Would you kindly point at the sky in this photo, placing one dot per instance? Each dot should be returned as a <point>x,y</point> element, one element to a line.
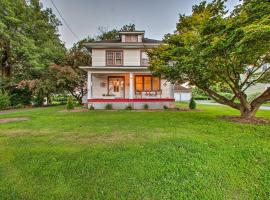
<point>156,17</point>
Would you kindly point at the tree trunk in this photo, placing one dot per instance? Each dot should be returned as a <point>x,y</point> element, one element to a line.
<point>248,113</point>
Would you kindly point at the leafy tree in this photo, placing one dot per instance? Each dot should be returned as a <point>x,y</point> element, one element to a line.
<point>28,39</point>
<point>29,43</point>
<point>211,48</point>
<point>128,27</point>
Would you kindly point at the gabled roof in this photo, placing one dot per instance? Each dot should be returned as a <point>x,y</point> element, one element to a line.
<point>181,88</point>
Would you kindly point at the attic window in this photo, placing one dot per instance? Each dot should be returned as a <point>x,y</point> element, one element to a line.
<point>131,38</point>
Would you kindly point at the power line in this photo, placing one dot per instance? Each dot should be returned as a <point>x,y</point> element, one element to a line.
<point>70,29</point>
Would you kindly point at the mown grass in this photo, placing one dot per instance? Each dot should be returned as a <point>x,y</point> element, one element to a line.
<point>133,155</point>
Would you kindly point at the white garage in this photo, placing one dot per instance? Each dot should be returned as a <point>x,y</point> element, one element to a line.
<point>182,93</point>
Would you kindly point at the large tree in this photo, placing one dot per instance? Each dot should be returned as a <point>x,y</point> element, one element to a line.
<point>211,47</point>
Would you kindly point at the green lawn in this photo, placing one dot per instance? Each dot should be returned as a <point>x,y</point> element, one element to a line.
<point>133,155</point>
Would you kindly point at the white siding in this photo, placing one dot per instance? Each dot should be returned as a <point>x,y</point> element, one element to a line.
<point>140,38</point>
<point>98,57</point>
<point>166,88</point>
<point>132,57</point>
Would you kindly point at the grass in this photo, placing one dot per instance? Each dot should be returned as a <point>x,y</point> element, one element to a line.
<point>133,155</point>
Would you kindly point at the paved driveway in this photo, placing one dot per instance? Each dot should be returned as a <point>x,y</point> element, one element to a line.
<point>217,104</point>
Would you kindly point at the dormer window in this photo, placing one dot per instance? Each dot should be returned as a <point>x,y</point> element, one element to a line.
<point>131,38</point>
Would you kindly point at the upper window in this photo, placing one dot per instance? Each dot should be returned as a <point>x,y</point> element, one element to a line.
<point>114,57</point>
<point>144,59</point>
<point>131,38</point>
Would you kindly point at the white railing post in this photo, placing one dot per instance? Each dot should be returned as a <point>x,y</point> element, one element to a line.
<point>131,87</point>
<point>89,85</point>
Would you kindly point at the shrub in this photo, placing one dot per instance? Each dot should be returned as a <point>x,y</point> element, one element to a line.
<point>20,96</point>
<point>91,107</point>
<point>18,106</point>
<point>109,107</point>
<point>165,107</point>
<point>192,104</point>
<point>129,107</point>
<point>4,101</point>
<point>70,103</point>
<point>146,106</point>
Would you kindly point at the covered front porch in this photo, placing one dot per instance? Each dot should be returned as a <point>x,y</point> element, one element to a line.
<point>127,88</point>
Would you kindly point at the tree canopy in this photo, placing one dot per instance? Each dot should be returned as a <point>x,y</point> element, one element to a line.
<point>212,47</point>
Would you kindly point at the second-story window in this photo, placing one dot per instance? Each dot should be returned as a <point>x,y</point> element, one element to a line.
<point>131,38</point>
<point>144,59</point>
<point>114,57</point>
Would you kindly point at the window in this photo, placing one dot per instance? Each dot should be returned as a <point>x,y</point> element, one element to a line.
<point>144,59</point>
<point>147,83</point>
<point>114,58</point>
<point>131,38</point>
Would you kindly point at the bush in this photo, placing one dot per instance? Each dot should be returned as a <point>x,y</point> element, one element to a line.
<point>129,107</point>
<point>92,107</point>
<point>59,99</point>
<point>20,96</point>
<point>70,103</point>
<point>146,106</point>
<point>18,106</point>
<point>4,101</point>
<point>165,107</point>
<point>109,107</point>
<point>192,104</point>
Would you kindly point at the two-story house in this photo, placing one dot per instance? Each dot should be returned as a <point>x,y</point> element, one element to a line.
<point>119,74</point>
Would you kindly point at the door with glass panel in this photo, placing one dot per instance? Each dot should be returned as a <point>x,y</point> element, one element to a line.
<point>116,86</point>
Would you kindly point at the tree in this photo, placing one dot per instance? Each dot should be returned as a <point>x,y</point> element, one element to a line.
<point>211,48</point>
<point>28,39</point>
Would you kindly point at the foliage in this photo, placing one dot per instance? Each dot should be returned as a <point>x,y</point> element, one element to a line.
<point>29,39</point>
<point>59,99</point>
<point>4,100</point>
<point>92,107</point>
<point>165,107</point>
<point>145,106</point>
<point>211,48</point>
<point>129,107</point>
<point>192,104</point>
<point>108,106</point>
<point>70,103</point>
<point>20,96</point>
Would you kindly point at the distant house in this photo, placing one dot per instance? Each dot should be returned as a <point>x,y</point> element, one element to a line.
<point>181,93</point>
<point>258,88</point>
<point>119,74</point>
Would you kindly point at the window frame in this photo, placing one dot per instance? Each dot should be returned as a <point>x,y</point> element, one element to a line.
<point>143,90</point>
<point>114,57</point>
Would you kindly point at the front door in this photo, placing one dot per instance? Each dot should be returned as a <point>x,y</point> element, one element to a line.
<point>116,86</point>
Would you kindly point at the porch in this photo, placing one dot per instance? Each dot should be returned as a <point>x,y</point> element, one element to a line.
<point>128,89</point>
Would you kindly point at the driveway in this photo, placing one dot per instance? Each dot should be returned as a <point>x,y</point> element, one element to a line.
<point>217,104</point>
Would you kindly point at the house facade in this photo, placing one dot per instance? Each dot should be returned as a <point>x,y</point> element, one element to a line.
<point>119,74</point>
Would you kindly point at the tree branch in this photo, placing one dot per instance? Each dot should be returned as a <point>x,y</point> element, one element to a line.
<point>264,97</point>
<point>220,99</point>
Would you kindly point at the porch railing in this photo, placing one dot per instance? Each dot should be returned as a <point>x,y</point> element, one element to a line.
<point>149,93</point>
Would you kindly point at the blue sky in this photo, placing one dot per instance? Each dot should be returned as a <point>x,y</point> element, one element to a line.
<point>156,17</point>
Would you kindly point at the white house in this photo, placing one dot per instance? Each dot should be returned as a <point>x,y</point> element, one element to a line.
<point>119,74</point>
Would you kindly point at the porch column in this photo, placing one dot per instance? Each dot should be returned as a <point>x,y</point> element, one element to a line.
<point>131,87</point>
<point>89,85</point>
